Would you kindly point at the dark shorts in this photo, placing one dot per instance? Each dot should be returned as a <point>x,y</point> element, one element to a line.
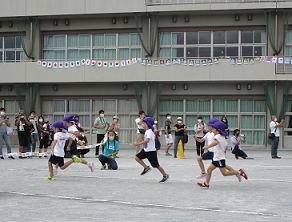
<point>23,139</point>
<point>57,160</point>
<point>219,163</point>
<point>208,156</point>
<point>151,156</point>
<point>73,148</point>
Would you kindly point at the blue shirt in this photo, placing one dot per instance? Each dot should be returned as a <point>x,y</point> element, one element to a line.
<point>234,139</point>
<point>110,148</point>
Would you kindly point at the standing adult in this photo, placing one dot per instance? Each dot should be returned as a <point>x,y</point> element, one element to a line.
<point>102,125</point>
<point>4,122</point>
<point>168,136</point>
<point>140,130</point>
<point>274,126</point>
<point>180,129</point>
<point>224,120</point>
<point>200,130</point>
<point>34,133</point>
<point>23,128</point>
<point>116,127</point>
<point>43,133</point>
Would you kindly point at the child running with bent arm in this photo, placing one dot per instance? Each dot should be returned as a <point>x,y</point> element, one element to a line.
<point>220,146</point>
<point>57,156</point>
<point>149,151</point>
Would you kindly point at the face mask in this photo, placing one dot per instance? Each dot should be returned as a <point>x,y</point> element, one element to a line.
<point>101,115</point>
<point>169,117</point>
<point>199,120</point>
<point>115,120</point>
<point>111,138</point>
<point>275,119</point>
<point>179,121</point>
<point>2,113</point>
<point>155,122</point>
<point>32,115</point>
<point>41,120</point>
<point>224,121</point>
<point>21,117</point>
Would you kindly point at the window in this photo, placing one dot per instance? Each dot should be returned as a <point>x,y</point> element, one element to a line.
<point>92,46</point>
<point>11,49</point>
<point>253,43</point>
<point>288,120</point>
<point>288,44</point>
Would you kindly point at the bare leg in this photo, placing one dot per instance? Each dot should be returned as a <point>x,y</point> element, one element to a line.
<point>168,146</point>
<point>51,168</point>
<point>229,168</point>
<point>45,150</point>
<point>228,173</point>
<point>209,173</point>
<point>40,150</point>
<point>66,164</point>
<point>161,170</point>
<point>141,162</point>
<point>201,165</point>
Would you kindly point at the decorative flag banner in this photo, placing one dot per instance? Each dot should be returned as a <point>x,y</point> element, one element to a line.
<point>39,62</point>
<point>291,61</point>
<point>191,62</point>
<point>168,62</point>
<point>173,61</point>
<point>83,62</point>
<point>77,63</point>
<point>232,61</point>
<point>66,65</point>
<point>99,64</point>
<point>210,62</point>
<point>50,64</point>
<point>144,62</point>
<point>251,61</point>
<point>117,64</point>
<point>178,61</point>
<point>268,59</point>
<point>134,61</point>
<point>128,62</point>
<point>287,61</point>
<point>149,63</point>
<point>60,65</point>
<point>216,60</point>
<point>245,61</point>
<point>258,59</point>
<point>161,62</point>
<point>139,60</point>
<point>156,63</point>
<point>87,62</point>
<point>104,64</point>
<point>239,61</point>
<point>72,64</point>
<point>204,62</point>
<point>93,62</point>
<point>262,58</point>
<point>197,62</point>
<point>123,63</point>
<point>55,65</point>
<point>111,64</point>
<point>44,64</point>
<point>274,60</point>
<point>280,60</point>
<point>184,62</point>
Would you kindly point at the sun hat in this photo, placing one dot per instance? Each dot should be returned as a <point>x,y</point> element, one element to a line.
<point>220,126</point>
<point>149,122</point>
<point>70,118</point>
<point>212,121</point>
<point>60,125</point>
<point>179,118</point>
<point>115,117</point>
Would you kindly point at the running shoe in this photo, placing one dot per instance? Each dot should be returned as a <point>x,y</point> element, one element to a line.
<point>167,153</point>
<point>243,174</point>
<point>203,185</point>
<point>201,176</point>
<point>76,159</point>
<point>2,157</point>
<point>146,170</point>
<point>49,178</point>
<point>11,157</point>
<point>103,167</point>
<point>238,177</point>
<point>164,179</point>
<point>96,155</point>
<point>91,166</point>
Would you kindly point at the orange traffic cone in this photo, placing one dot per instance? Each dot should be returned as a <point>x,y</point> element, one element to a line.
<point>181,154</point>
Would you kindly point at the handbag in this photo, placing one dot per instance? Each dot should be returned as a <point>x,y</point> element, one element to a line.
<point>272,135</point>
<point>185,138</point>
<point>9,130</point>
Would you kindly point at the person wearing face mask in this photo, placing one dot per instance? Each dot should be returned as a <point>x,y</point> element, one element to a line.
<point>168,136</point>
<point>180,129</point>
<point>157,133</point>
<point>23,129</point>
<point>111,149</point>
<point>140,130</point>
<point>4,122</point>
<point>274,126</point>
<point>235,144</point>
<point>43,133</point>
<point>200,130</point>
<point>34,132</point>
<point>115,126</point>
<point>102,125</point>
<point>224,120</point>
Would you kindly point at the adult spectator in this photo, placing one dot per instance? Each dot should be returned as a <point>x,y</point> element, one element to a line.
<point>33,132</point>
<point>116,127</point>
<point>140,130</point>
<point>235,144</point>
<point>168,136</point>
<point>224,120</point>
<point>102,125</point>
<point>180,129</point>
<point>4,122</point>
<point>157,133</point>
<point>82,141</point>
<point>77,123</point>
<point>274,126</point>
<point>200,130</point>
<point>23,129</point>
<point>43,132</point>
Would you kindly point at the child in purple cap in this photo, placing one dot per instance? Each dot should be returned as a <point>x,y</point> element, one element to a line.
<point>220,146</point>
<point>149,152</point>
<point>57,156</point>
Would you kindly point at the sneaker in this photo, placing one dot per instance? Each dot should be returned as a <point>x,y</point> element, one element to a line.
<point>117,156</point>
<point>167,153</point>
<point>76,159</point>
<point>40,157</point>
<point>2,157</point>
<point>103,167</point>
<point>146,170</point>
<point>164,179</point>
<point>238,177</point>
<point>201,176</point>
<point>175,156</point>
<point>243,174</point>
<point>49,178</point>
<point>276,157</point>
<point>203,185</point>
<point>91,166</point>
<point>11,157</point>
<point>109,166</point>
<point>96,155</point>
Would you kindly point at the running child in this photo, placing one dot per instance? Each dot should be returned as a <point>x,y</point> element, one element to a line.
<point>220,146</point>
<point>149,152</point>
<point>57,156</point>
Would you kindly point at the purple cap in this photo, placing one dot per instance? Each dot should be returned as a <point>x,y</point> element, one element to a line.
<point>70,118</point>
<point>220,126</point>
<point>212,121</point>
<point>60,125</point>
<point>149,122</point>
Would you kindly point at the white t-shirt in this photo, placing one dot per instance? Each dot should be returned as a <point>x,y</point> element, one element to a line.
<point>138,126</point>
<point>72,129</point>
<point>219,150</point>
<point>210,139</point>
<point>150,146</point>
<point>272,126</point>
<point>61,140</point>
<point>234,139</point>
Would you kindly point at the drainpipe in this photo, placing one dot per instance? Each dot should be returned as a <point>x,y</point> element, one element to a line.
<point>276,29</point>
<point>275,99</point>
<point>148,97</point>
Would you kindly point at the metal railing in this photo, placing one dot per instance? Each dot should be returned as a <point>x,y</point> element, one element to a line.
<point>284,68</point>
<point>179,2</point>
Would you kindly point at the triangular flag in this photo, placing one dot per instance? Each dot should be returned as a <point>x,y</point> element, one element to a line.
<point>60,65</point>
<point>134,61</point>
<point>111,64</point>
<point>88,62</point>
<point>44,64</point>
<point>117,64</point>
<point>104,64</point>
<point>66,65</point>
<point>274,60</point>
<point>71,64</point>
<point>123,63</point>
<point>49,65</point>
<point>78,63</point>
<point>55,65</point>
<point>99,64</point>
<point>93,62</point>
<point>128,62</point>
<point>39,62</point>
<point>83,62</point>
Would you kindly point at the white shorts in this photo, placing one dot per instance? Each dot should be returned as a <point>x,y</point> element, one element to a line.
<point>169,139</point>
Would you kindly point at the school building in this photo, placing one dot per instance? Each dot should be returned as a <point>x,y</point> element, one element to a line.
<point>56,32</point>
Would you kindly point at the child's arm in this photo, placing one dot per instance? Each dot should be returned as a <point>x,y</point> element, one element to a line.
<point>69,144</point>
<point>53,146</point>
<point>198,139</point>
<point>76,133</point>
<point>226,149</point>
<point>141,143</point>
<point>211,145</point>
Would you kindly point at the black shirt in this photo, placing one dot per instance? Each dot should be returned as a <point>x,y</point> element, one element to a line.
<point>180,133</point>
